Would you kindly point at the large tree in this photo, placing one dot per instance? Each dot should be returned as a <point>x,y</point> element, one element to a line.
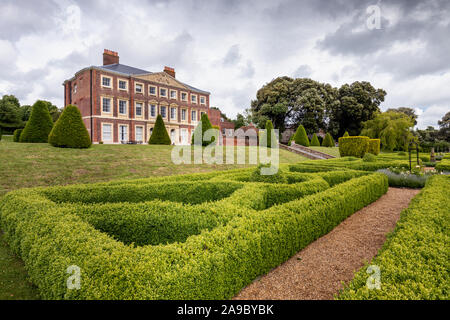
<point>287,101</point>
<point>408,111</point>
<point>392,128</point>
<point>10,113</point>
<point>358,102</point>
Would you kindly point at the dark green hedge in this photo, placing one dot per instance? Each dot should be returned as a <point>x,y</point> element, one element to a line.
<point>221,247</point>
<point>159,133</point>
<point>300,137</point>
<point>16,136</point>
<point>69,130</point>
<point>414,261</point>
<point>39,125</point>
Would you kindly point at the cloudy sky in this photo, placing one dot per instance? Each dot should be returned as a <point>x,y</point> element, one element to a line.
<point>231,48</point>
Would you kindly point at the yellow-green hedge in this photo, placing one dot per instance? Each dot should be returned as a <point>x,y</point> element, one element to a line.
<point>353,146</point>
<point>374,146</point>
<point>141,246</point>
<point>414,261</point>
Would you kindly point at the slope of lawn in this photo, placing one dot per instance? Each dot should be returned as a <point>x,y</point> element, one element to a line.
<point>29,165</point>
<point>333,151</point>
<point>33,164</point>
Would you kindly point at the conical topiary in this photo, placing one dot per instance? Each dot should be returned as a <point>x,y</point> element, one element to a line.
<point>266,135</point>
<point>328,141</point>
<point>39,125</point>
<point>300,137</point>
<point>346,134</point>
<point>159,133</point>
<point>69,130</point>
<point>315,141</point>
<point>205,125</point>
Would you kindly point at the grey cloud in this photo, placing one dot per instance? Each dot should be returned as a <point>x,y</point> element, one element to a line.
<point>24,17</point>
<point>232,57</point>
<point>303,71</point>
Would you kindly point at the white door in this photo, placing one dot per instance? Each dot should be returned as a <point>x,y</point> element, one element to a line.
<point>123,133</point>
<point>184,135</point>
<point>172,135</point>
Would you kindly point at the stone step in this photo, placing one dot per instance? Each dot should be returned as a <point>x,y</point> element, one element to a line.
<point>306,152</point>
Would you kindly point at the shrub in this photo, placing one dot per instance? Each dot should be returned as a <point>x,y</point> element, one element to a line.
<point>353,146</point>
<point>443,165</point>
<point>159,134</point>
<point>369,157</point>
<point>315,141</point>
<point>0,134</point>
<point>374,146</point>
<point>346,134</point>
<point>414,258</point>
<point>328,141</point>
<point>278,177</point>
<point>209,250</point>
<point>198,138</point>
<point>405,179</point>
<point>300,137</point>
<point>69,130</point>
<point>39,124</point>
<point>16,136</point>
<point>266,135</point>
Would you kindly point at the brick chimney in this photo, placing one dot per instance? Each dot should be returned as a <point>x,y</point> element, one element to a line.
<point>170,71</point>
<point>110,57</point>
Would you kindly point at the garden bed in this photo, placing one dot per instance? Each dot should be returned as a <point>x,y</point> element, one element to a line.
<point>139,241</point>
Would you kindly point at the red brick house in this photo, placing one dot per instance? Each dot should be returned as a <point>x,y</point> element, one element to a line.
<point>120,103</point>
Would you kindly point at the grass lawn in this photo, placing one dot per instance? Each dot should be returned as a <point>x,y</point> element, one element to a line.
<point>334,151</point>
<point>29,165</point>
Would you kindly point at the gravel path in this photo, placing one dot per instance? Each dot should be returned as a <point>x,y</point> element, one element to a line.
<point>316,272</point>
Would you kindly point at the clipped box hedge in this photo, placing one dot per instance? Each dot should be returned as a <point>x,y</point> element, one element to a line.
<point>443,165</point>
<point>353,146</point>
<point>374,146</point>
<point>184,237</point>
<point>414,261</point>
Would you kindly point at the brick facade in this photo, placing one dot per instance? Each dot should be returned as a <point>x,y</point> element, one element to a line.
<point>87,91</point>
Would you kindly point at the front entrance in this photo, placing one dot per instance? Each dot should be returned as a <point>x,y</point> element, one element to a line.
<point>123,133</point>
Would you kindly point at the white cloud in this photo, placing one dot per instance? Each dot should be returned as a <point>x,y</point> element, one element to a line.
<point>230,48</point>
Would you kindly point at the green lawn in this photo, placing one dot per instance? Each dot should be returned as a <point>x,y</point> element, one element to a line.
<point>28,165</point>
<point>334,151</point>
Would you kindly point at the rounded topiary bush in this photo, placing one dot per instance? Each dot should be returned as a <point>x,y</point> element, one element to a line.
<point>353,146</point>
<point>374,146</point>
<point>198,138</point>
<point>159,134</point>
<point>69,130</point>
<point>16,136</point>
<point>315,141</point>
<point>369,157</point>
<point>278,177</point>
<point>39,125</point>
<point>328,141</point>
<point>300,137</point>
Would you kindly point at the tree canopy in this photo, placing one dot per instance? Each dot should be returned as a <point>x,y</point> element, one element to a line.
<point>392,128</point>
<point>302,101</point>
<point>10,113</point>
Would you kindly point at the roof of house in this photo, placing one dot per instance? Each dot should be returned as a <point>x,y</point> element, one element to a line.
<point>124,69</point>
<point>131,71</point>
